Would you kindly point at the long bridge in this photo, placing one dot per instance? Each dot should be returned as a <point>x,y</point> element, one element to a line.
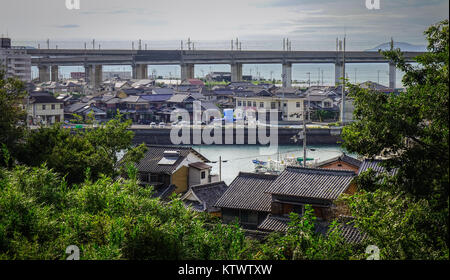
<point>48,61</point>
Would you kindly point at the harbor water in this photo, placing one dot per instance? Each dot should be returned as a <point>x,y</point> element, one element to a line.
<point>238,158</point>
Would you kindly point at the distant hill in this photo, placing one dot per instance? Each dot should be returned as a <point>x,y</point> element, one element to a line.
<point>406,47</point>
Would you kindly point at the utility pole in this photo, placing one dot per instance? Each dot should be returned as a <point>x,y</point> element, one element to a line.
<point>318,79</point>
<point>93,44</point>
<point>322,77</point>
<point>378,78</point>
<point>220,168</point>
<point>343,86</point>
<point>309,101</point>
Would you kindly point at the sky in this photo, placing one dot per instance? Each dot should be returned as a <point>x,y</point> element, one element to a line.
<point>310,24</point>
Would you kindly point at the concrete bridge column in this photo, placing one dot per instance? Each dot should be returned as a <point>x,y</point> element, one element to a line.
<point>338,74</point>
<point>55,73</point>
<point>44,73</point>
<point>187,71</point>
<point>287,75</point>
<point>141,71</point>
<point>392,75</point>
<point>98,76</point>
<point>93,75</point>
<point>236,72</point>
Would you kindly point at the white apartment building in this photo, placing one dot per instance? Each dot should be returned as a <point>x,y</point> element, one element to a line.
<point>15,62</point>
<point>290,107</point>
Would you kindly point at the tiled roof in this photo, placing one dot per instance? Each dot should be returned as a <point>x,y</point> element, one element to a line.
<point>248,192</point>
<point>155,153</point>
<point>311,183</point>
<point>280,224</point>
<point>165,192</point>
<point>200,165</point>
<point>156,97</point>
<point>208,194</point>
<point>347,159</point>
<point>274,223</point>
<point>178,98</point>
<point>44,98</point>
<point>375,166</point>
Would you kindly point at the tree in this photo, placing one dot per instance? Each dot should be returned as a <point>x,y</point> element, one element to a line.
<point>71,154</point>
<point>410,129</point>
<point>12,116</point>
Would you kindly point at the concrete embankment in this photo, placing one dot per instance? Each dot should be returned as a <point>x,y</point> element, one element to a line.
<point>161,136</point>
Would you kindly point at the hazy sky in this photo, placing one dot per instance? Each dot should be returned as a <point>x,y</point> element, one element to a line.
<point>307,22</point>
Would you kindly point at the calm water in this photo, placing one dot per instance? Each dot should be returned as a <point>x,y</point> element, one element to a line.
<point>239,157</point>
<point>356,72</point>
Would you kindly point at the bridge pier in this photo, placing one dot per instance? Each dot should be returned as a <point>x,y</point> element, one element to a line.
<point>55,73</point>
<point>236,72</point>
<point>338,73</point>
<point>44,73</point>
<point>140,71</point>
<point>94,75</point>
<point>187,71</point>
<point>287,75</point>
<point>392,75</point>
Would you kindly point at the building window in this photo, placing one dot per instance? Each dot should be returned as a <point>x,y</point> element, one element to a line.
<point>53,106</point>
<point>43,107</point>
<point>261,104</point>
<point>154,178</point>
<point>239,103</point>
<point>285,104</point>
<point>327,105</point>
<point>297,104</point>
<point>254,103</point>
<point>60,106</point>
<point>244,103</point>
<point>273,105</point>
<point>203,175</point>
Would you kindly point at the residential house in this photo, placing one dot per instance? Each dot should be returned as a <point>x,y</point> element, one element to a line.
<point>341,162</point>
<point>44,108</point>
<point>202,198</point>
<point>246,200</point>
<point>171,166</point>
<point>296,187</point>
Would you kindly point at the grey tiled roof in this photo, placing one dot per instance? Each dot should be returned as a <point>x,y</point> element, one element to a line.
<point>311,183</point>
<point>274,223</point>
<point>280,224</point>
<point>248,192</point>
<point>345,158</point>
<point>208,194</point>
<point>164,192</point>
<point>375,166</point>
<point>155,153</point>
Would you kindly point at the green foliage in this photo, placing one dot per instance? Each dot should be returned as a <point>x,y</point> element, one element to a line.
<point>71,154</point>
<point>406,215</point>
<point>303,241</point>
<point>106,219</point>
<point>12,116</point>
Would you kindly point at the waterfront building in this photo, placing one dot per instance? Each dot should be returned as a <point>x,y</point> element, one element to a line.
<point>173,168</point>
<point>289,107</point>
